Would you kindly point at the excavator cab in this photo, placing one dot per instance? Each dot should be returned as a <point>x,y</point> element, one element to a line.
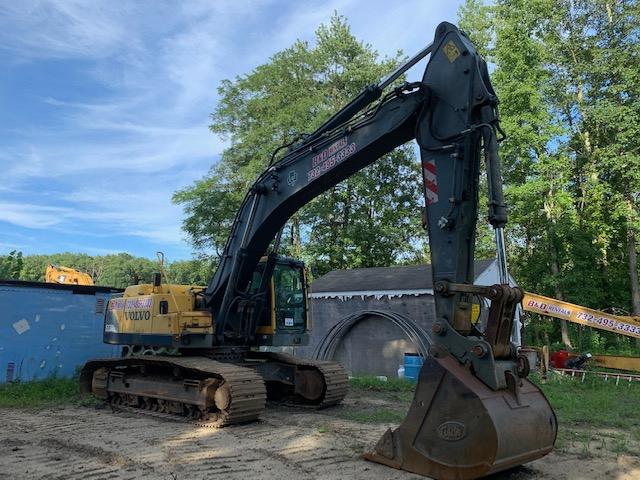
<point>284,320</point>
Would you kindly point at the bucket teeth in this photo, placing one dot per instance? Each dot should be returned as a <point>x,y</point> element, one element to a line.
<point>384,447</point>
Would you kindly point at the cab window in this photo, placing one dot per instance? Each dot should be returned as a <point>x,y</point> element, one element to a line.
<point>289,301</point>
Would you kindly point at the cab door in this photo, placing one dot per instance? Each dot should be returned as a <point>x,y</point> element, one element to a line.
<point>290,305</point>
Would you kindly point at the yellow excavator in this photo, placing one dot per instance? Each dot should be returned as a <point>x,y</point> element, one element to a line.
<point>66,275</point>
<point>474,411</point>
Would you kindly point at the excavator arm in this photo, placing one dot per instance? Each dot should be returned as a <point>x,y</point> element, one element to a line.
<point>474,413</point>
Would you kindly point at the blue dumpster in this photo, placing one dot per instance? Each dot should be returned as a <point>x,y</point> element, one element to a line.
<point>412,366</point>
<point>50,329</point>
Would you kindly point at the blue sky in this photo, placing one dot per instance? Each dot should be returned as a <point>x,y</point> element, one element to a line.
<point>104,106</point>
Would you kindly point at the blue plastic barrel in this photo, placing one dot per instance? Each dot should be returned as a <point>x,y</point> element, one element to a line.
<point>412,366</point>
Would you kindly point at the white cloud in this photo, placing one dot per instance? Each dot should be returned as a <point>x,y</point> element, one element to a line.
<point>142,213</point>
<point>144,210</point>
<point>61,29</point>
<point>31,215</point>
<point>91,250</point>
<point>27,164</point>
<point>111,158</point>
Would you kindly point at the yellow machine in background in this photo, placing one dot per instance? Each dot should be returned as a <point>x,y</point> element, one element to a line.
<point>66,275</point>
<point>551,307</point>
<point>623,325</point>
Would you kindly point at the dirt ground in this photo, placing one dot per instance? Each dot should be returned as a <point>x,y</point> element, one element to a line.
<point>88,443</point>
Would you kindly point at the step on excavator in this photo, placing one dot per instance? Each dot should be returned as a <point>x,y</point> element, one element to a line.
<point>193,351</point>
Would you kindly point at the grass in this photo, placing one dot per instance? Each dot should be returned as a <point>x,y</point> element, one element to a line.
<point>392,399</point>
<point>41,393</point>
<point>382,415</point>
<point>585,411</point>
<point>323,429</point>
<point>594,402</point>
<point>374,384</point>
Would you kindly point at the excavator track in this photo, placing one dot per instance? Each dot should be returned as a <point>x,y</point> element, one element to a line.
<point>336,380</point>
<point>169,417</point>
<point>221,393</point>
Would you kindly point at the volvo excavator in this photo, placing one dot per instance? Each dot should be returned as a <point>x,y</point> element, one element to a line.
<point>474,412</point>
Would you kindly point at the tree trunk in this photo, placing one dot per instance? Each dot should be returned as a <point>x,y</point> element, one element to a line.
<point>346,219</point>
<point>295,237</point>
<point>334,263</point>
<point>535,325</point>
<point>633,275</point>
<point>555,271</point>
<point>632,263</point>
<point>633,272</point>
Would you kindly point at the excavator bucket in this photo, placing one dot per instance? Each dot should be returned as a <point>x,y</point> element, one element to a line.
<point>458,428</point>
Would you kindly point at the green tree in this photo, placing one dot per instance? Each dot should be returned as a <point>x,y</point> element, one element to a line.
<point>34,266</point>
<point>118,270</point>
<point>509,34</point>
<point>123,269</point>
<point>566,73</point>
<point>190,272</point>
<point>369,219</point>
<point>612,117</point>
<point>11,265</point>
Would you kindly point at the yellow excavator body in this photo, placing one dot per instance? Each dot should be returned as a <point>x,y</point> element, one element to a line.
<point>166,309</point>
<point>66,275</point>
